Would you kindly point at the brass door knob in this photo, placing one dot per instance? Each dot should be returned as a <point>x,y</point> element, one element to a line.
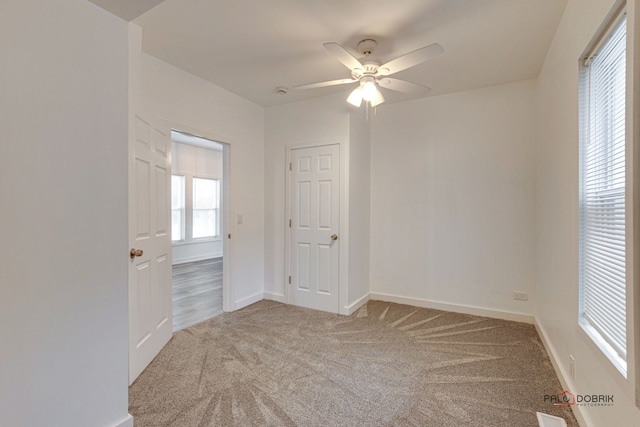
<point>334,237</point>
<point>135,252</point>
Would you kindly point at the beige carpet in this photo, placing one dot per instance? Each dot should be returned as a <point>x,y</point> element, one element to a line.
<point>272,364</point>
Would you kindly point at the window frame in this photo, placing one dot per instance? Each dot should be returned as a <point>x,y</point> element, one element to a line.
<point>216,209</point>
<point>597,335</point>
<point>188,216</point>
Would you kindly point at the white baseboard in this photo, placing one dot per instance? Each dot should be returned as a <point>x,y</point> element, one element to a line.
<point>356,305</point>
<point>241,303</point>
<point>127,422</point>
<point>565,379</point>
<point>177,261</point>
<point>466,309</point>
<point>274,297</point>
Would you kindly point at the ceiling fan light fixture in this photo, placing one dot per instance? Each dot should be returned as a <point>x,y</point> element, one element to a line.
<point>355,98</point>
<point>379,99</point>
<point>369,91</point>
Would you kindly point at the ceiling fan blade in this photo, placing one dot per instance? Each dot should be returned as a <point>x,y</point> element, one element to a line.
<point>403,86</point>
<point>343,56</point>
<point>411,59</point>
<point>324,84</point>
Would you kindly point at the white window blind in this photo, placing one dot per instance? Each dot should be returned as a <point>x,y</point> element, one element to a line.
<point>602,207</point>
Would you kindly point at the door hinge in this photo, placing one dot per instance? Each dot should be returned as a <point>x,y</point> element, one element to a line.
<point>290,166</point>
<point>289,223</point>
<point>289,279</point>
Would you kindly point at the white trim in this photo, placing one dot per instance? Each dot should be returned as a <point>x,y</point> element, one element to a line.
<point>197,241</point>
<point>274,297</point>
<point>456,308</point>
<point>603,35</point>
<point>227,208</point>
<point>127,422</point>
<point>565,380</point>
<point>343,298</point>
<point>350,309</point>
<point>228,288</point>
<point>343,145</point>
<point>195,258</point>
<point>633,193</point>
<point>251,299</point>
<point>287,229</point>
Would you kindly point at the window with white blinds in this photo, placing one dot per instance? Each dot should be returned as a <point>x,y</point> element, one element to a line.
<point>602,198</point>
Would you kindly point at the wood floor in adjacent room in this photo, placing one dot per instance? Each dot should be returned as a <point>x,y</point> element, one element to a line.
<point>197,292</point>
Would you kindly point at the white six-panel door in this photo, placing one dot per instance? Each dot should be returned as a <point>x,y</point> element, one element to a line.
<point>150,309</point>
<point>315,227</point>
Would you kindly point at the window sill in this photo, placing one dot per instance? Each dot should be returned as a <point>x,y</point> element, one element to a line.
<point>196,241</point>
<point>605,348</point>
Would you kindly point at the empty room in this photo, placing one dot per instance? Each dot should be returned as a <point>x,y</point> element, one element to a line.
<point>329,213</point>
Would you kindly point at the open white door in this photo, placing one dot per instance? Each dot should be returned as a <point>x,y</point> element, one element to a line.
<point>315,227</point>
<point>150,315</point>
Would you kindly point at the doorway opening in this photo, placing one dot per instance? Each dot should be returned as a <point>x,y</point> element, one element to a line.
<point>197,228</point>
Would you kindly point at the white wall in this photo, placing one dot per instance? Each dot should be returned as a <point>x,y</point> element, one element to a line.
<point>63,184</point>
<point>191,161</point>
<point>320,120</point>
<point>324,119</point>
<point>452,199</point>
<point>359,207</point>
<point>557,218</point>
<point>195,106</point>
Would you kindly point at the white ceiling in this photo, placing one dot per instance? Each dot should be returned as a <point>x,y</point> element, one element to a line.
<point>250,47</point>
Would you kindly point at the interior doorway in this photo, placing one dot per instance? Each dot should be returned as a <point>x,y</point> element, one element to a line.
<point>197,228</point>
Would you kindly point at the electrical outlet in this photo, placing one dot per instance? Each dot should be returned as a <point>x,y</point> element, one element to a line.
<point>572,367</point>
<point>240,219</point>
<point>521,296</point>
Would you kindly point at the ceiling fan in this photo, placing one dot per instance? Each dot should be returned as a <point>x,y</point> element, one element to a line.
<point>372,75</point>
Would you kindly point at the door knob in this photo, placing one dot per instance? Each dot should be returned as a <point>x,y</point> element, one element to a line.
<point>334,237</point>
<point>135,252</point>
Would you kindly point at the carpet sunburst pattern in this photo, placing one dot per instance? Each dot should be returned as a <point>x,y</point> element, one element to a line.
<point>388,364</point>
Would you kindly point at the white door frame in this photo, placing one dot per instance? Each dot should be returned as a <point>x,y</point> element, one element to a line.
<point>227,288</point>
<point>344,219</point>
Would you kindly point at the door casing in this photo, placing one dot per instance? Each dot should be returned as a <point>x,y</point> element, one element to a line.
<point>227,209</point>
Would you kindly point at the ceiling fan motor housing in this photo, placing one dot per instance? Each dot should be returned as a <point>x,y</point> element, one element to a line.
<point>367,46</point>
<point>368,68</point>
